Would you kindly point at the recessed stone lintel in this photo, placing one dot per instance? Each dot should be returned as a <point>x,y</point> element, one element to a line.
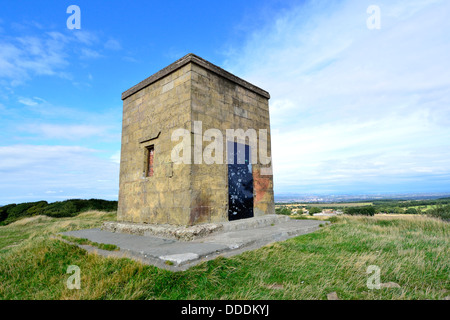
<point>150,137</point>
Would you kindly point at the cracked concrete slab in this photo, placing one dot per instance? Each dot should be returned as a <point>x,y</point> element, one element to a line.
<point>172,254</point>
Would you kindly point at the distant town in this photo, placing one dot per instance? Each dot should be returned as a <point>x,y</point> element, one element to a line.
<point>333,198</point>
<point>433,204</point>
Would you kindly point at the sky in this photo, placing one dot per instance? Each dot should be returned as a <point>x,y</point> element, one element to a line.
<point>354,109</point>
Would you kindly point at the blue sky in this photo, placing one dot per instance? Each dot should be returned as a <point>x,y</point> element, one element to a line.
<point>353,110</point>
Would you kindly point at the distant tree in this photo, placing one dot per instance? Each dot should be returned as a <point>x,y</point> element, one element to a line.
<point>20,210</point>
<point>4,211</point>
<point>440,211</point>
<point>313,210</point>
<point>364,211</point>
<point>398,210</point>
<point>59,209</point>
<point>283,210</point>
<point>36,209</point>
<point>411,211</point>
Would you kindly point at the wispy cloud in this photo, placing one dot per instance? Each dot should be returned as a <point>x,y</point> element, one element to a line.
<point>49,54</point>
<point>23,57</point>
<point>45,111</point>
<point>28,102</point>
<point>113,44</point>
<point>68,132</point>
<point>350,104</point>
<point>33,170</point>
<point>86,37</point>
<point>116,157</point>
<point>87,53</point>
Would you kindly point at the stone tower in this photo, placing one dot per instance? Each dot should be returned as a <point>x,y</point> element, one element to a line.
<point>171,168</point>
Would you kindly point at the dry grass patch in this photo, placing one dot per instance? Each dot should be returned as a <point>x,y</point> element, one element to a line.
<point>31,220</point>
<point>412,252</point>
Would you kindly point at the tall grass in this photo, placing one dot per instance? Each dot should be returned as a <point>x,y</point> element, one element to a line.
<point>412,251</point>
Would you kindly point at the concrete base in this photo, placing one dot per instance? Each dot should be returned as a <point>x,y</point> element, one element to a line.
<point>230,239</point>
<point>184,233</point>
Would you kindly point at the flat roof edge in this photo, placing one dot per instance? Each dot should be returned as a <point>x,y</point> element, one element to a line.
<point>201,62</point>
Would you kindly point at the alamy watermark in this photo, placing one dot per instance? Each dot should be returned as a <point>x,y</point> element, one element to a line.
<point>253,152</point>
<point>74,281</point>
<point>374,20</point>
<point>74,20</point>
<point>373,281</point>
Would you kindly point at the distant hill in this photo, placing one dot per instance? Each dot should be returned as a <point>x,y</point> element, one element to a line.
<point>335,198</point>
<point>68,208</point>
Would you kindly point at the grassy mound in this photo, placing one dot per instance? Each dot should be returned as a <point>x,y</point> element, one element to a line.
<point>68,208</point>
<point>411,251</point>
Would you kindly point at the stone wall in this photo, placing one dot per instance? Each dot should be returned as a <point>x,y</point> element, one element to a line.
<point>149,117</point>
<point>176,97</point>
<point>223,104</point>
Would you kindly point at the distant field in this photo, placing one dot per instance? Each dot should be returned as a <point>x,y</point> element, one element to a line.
<point>410,250</point>
<point>326,205</point>
<point>424,207</point>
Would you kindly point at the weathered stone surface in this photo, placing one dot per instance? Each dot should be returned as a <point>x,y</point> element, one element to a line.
<point>192,58</point>
<point>184,233</point>
<point>163,230</point>
<point>180,257</point>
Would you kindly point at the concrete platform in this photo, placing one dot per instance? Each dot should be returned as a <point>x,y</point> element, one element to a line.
<point>185,233</point>
<point>169,253</point>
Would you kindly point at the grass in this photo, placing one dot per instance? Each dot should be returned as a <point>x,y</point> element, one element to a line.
<point>42,227</point>
<point>83,241</point>
<point>412,251</point>
<point>425,207</point>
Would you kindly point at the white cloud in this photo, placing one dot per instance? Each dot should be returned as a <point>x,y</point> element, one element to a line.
<point>28,102</point>
<point>49,54</point>
<point>116,157</point>
<point>40,170</point>
<point>86,37</point>
<point>72,119</point>
<point>27,56</point>
<point>113,44</point>
<point>351,104</point>
<point>87,53</point>
<point>70,132</point>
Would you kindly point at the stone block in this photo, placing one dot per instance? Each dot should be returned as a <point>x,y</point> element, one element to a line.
<point>191,89</point>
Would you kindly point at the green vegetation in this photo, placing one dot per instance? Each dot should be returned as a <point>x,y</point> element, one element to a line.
<point>314,210</point>
<point>404,206</point>
<point>325,205</point>
<point>439,208</point>
<point>40,227</point>
<point>333,219</point>
<point>363,211</point>
<point>440,211</point>
<point>410,203</point>
<point>59,209</point>
<point>411,211</point>
<point>411,250</point>
<point>83,241</point>
<point>284,211</point>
